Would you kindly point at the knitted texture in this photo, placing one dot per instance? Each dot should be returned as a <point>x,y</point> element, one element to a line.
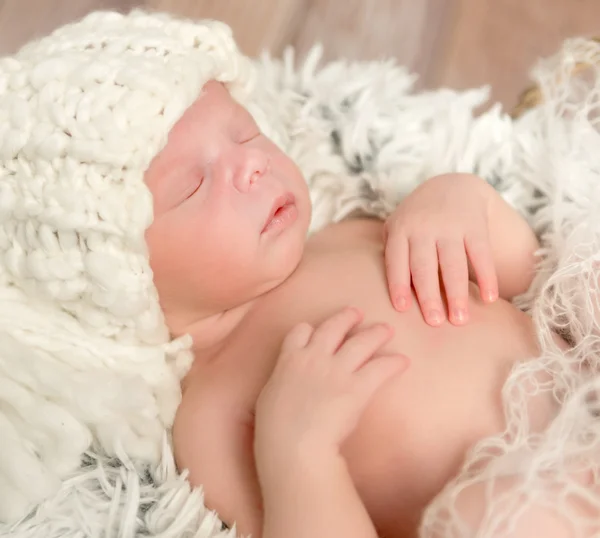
<point>85,356</point>
<point>363,140</point>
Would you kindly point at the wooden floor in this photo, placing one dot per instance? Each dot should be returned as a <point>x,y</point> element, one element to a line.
<point>457,43</point>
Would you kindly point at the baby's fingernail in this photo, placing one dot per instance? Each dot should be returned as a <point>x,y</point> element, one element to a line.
<point>491,296</point>
<point>401,302</point>
<point>434,317</point>
<point>459,315</point>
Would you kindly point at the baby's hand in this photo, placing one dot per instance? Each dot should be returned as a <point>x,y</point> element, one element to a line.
<point>440,228</point>
<point>322,382</point>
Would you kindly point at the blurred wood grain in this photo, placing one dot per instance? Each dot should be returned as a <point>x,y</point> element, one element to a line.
<point>497,42</point>
<point>456,43</point>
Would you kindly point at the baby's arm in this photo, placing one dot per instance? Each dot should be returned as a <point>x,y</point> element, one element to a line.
<point>311,496</point>
<point>324,379</point>
<point>214,443</point>
<point>459,227</point>
<point>315,498</point>
<point>513,243</point>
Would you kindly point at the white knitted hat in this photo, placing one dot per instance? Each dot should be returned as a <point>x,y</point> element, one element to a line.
<point>85,356</point>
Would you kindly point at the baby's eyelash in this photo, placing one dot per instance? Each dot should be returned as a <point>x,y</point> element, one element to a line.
<point>243,127</point>
<point>193,188</point>
<point>249,137</point>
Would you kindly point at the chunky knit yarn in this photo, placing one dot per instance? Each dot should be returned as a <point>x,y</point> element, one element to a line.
<point>85,356</point>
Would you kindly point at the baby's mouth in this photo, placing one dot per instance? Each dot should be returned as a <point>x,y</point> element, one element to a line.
<point>281,212</point>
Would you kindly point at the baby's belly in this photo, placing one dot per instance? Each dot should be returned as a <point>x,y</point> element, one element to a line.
<point>415,433</point>
<point>414,436</point>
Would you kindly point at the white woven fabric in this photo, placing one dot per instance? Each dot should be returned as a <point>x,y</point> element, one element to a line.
<point>84,351</point>
<point>76,360</point>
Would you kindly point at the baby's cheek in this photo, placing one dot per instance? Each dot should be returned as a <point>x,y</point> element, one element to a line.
<point>157,251</point>
<point>170,251</point>
<point>281,162</point>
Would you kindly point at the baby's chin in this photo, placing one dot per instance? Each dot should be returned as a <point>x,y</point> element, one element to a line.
<point>285,261</point>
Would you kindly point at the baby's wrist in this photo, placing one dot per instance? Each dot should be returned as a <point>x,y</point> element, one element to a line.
<point>279,469</point>
<point>299,474</point>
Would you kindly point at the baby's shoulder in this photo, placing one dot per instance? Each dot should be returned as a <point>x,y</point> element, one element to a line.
<point>228,385</point>
<point>214,402</point>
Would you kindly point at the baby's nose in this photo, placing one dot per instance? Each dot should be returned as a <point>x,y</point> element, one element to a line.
<point>251,167</point>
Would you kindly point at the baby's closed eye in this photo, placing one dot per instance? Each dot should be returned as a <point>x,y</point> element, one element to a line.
<point>243,126</point>
<point>190,184</point>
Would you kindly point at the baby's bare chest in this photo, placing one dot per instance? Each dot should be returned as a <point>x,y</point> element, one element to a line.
<point>345,267</point>
<point>414,434</point>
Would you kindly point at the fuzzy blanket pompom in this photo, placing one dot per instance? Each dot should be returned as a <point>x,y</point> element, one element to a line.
<point>363,139</point>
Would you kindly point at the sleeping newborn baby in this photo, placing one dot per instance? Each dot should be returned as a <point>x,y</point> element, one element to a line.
<point>334,384</point>
<point>234,270</point>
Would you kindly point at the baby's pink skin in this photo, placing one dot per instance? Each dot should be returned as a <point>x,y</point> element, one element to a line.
<point>213,245</point>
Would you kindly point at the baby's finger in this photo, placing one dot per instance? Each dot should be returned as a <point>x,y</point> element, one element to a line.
<point>482,260</point>
<point>330,335</point>
<point>377,372</point>
<point>455,275</point>
<point>360,347</point>
<point>424,273</point>
<point>298,337</point>
<point>398,270</point>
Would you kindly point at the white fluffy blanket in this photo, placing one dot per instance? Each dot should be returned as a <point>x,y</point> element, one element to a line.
<point>364,140</point>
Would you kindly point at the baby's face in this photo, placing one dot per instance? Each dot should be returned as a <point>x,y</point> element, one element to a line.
<point>231,211</point>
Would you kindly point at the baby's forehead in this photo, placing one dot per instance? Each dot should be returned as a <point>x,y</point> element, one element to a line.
<point>212,106</point>
<point>209,114</point>
<point>214,94</point>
